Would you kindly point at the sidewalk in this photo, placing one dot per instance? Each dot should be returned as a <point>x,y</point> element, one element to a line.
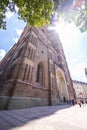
<point>61,117</point>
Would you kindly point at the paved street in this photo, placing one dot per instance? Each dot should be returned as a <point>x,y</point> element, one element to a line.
<point>62,117</point>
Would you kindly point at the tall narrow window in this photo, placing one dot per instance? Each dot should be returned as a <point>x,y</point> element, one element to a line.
<point>39,77</point>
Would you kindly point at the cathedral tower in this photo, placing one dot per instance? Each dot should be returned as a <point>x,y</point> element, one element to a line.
<point>34,72</point>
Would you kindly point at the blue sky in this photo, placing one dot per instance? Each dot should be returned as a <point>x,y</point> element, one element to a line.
<point>73,41</point>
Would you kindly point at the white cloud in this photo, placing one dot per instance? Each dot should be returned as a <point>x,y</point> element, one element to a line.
<point>75,49</point>
<point>9,14</point>
<point>2,53</point>
<point>19,31</point>
<point>15,40</point>
<point>78,71</point>
<point>16,8</point>
<point>77,66</point>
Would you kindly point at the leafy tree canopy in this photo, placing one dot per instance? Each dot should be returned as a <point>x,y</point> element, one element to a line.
<point>42,12</point>
<point>76,11</point>
<point>34,12</point>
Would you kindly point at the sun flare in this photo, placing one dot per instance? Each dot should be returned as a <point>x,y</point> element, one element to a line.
<point>68,33</point>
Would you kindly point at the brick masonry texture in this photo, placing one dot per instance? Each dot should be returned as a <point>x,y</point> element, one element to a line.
<point>34,72</point>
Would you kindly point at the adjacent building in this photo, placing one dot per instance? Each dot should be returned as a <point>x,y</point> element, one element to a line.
<point>86,72</point>
<point>80,89</point>
<point>34,72</point>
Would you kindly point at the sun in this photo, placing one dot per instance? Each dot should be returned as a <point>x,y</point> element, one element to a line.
<point>67,32</point>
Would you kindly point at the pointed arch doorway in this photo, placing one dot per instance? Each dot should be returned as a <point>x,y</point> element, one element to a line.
<point>61,85</point>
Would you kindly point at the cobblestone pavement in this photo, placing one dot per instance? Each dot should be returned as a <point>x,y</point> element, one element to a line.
<point>61,117</point>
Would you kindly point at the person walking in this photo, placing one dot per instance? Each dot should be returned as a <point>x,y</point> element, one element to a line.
<point>73,102</point>
<point>82,102</point>
<point>79,102</point>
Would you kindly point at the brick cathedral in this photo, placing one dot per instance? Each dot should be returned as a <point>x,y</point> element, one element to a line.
<point>34,72</point>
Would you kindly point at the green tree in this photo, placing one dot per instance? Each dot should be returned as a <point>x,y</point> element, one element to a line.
<point>3,5</point>
<point>80,18</point>
<point>34,12</point>
<point>42,12</point>
<point>75,11</point>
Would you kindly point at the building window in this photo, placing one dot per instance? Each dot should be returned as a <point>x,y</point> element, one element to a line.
<point>50,55</point>
<point>39,77</point>
<point>32,39</point>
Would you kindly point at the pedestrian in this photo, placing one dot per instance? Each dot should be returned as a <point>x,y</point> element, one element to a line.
<point>64,99</point>
<point>79,102</point>
<point>73,102</point>
<point>82,102</point>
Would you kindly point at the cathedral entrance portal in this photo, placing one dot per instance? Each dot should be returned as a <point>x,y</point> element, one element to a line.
<point>61,85</point>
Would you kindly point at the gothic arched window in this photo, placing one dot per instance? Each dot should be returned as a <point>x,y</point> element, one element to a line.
<point>39,77</point>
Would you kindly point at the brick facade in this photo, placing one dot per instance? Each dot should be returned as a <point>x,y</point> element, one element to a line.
<point>80,89</point>
<point>32,71</point>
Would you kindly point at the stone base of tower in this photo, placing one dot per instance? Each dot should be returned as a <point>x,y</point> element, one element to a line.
<point>20,96</point>
<point>21,102</point>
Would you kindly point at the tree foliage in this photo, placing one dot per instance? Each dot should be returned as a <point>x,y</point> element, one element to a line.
<point>35,12</point>
<point>3,5</point>
<point>42,12</point>
<point>76,12</point>
<point>81,17</point>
